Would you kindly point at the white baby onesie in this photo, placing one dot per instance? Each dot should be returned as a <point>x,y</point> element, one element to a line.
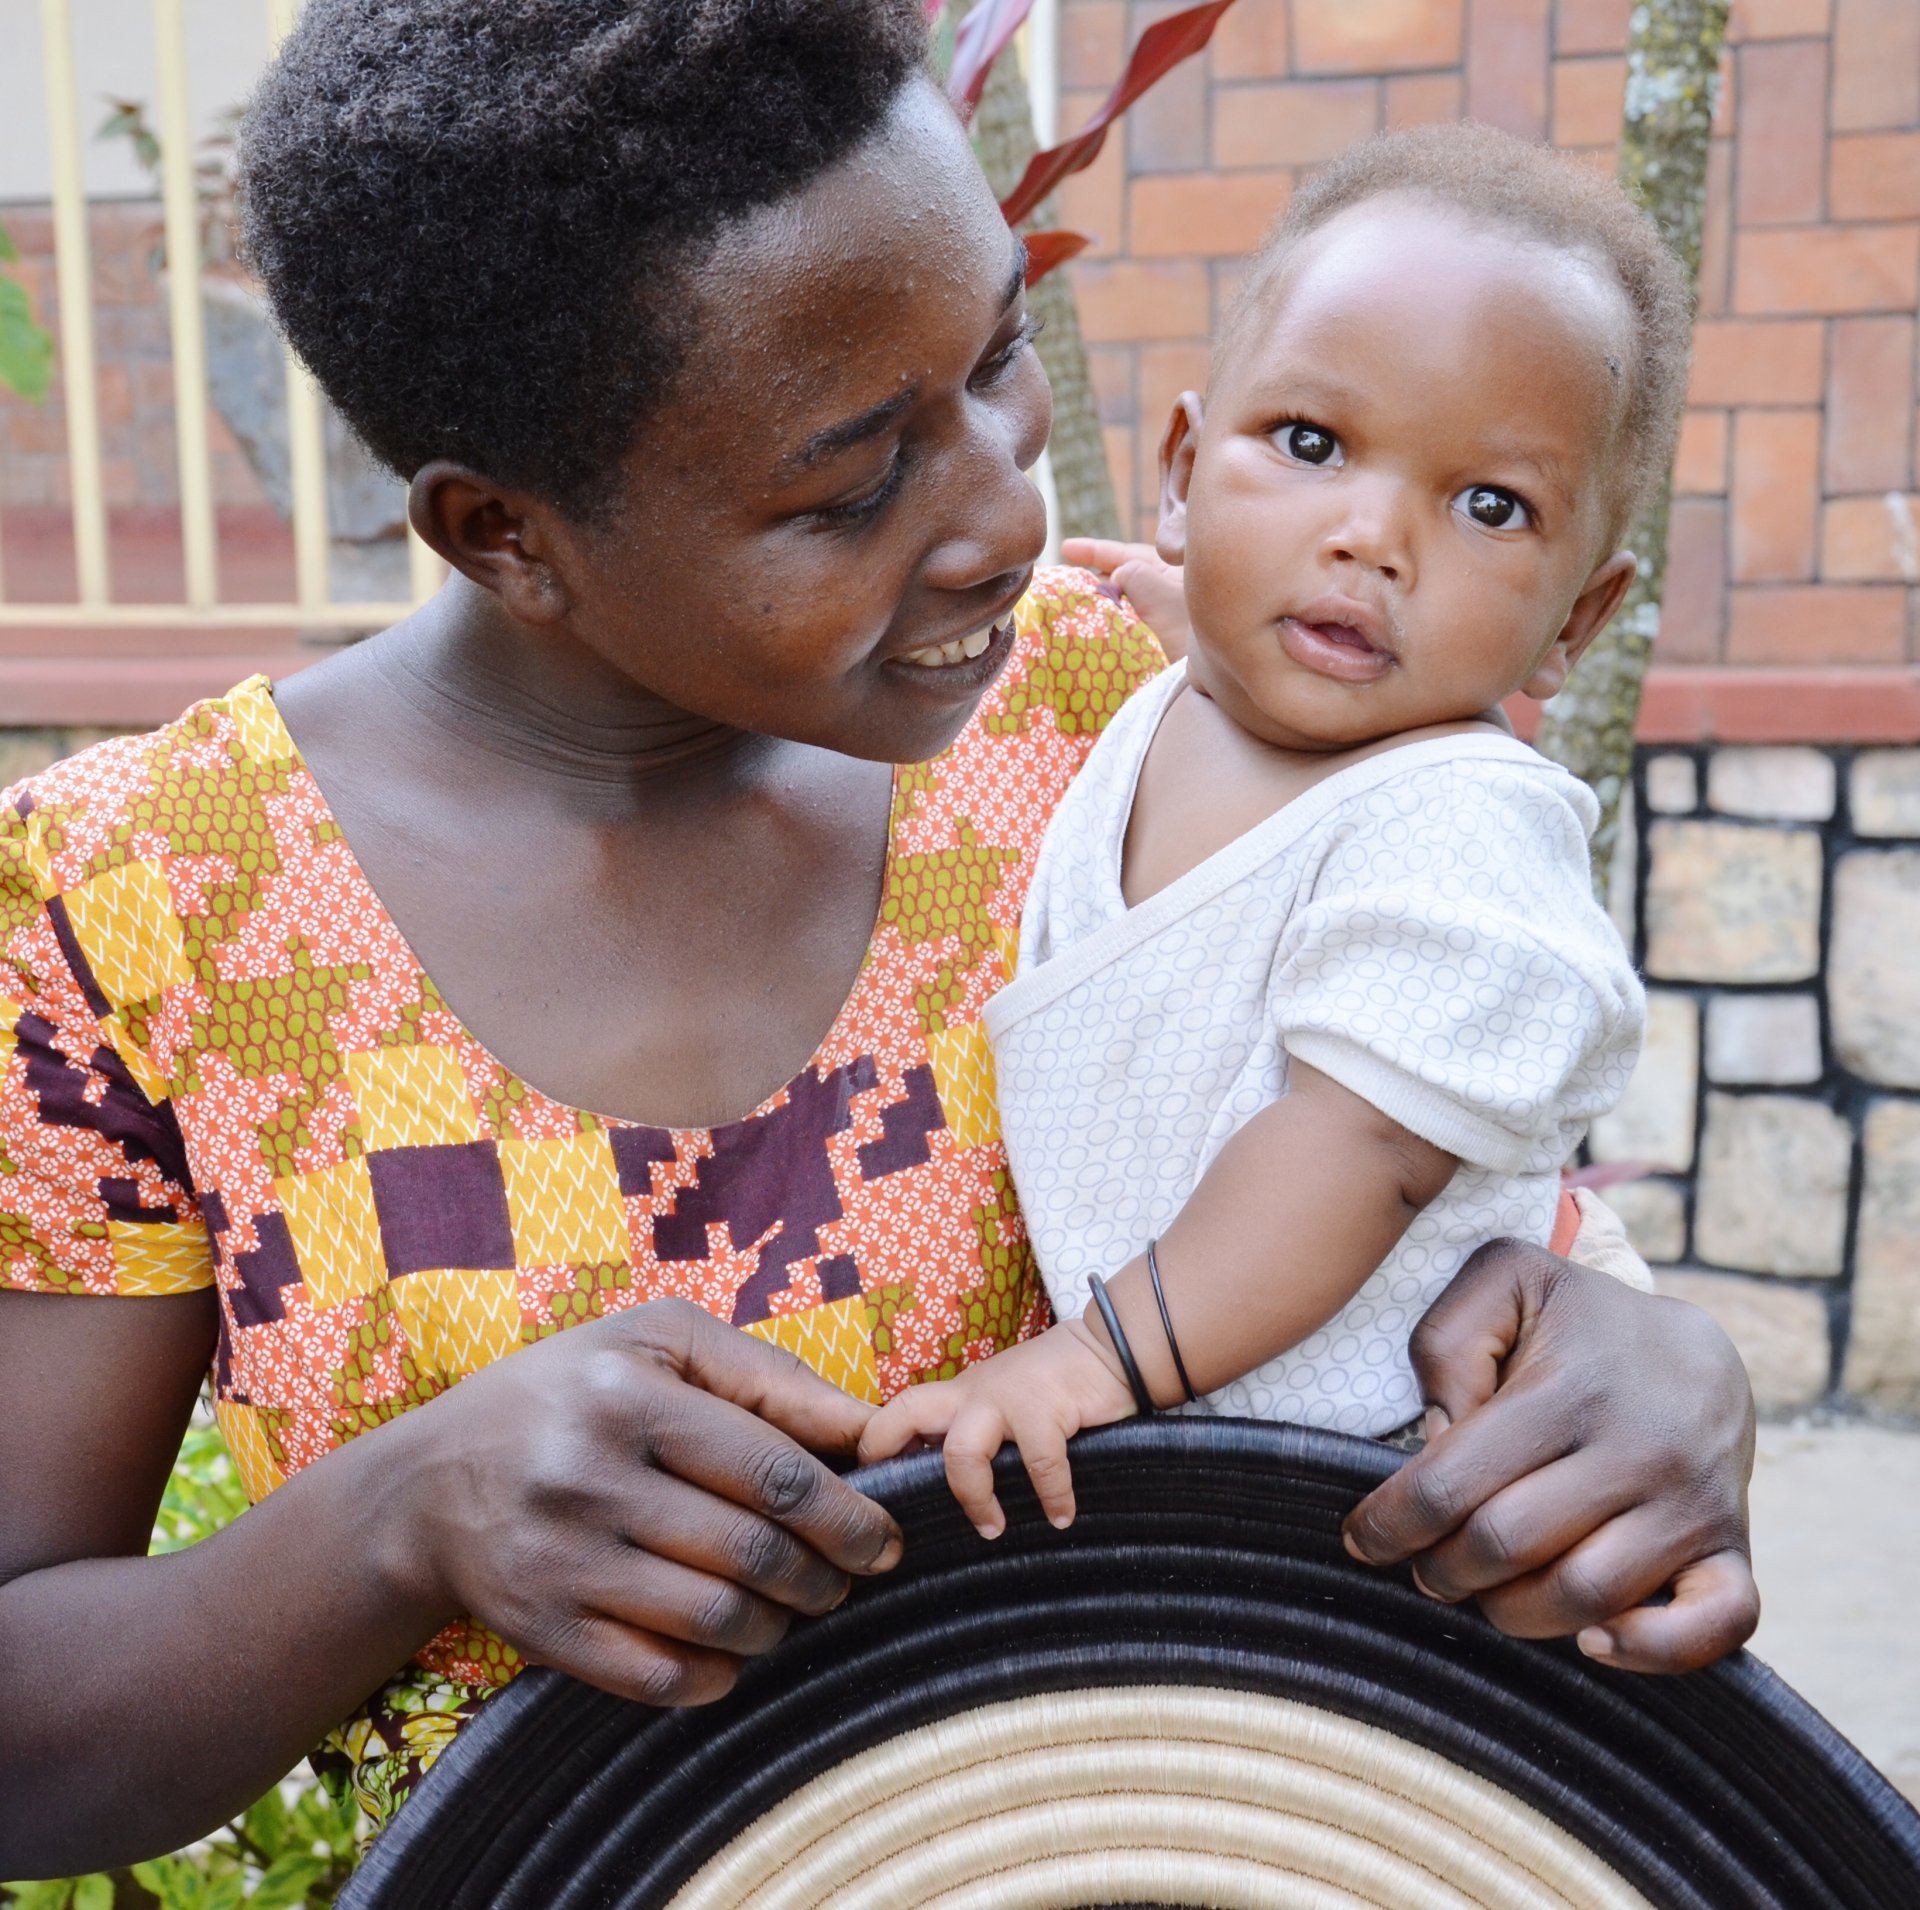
<point>1420,926</point>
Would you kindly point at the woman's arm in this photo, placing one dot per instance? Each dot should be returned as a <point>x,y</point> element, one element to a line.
<point>1594,1448</point>
<point>630,1501</point>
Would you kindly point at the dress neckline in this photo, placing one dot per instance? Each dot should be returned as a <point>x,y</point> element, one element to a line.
<point>259,689</point>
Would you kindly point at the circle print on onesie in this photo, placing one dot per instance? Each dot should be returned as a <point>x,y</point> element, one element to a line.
<point>1194,1697</point>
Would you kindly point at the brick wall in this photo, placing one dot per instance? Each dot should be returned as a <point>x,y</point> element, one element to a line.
<point>1794,537</point>
<point>131,346</point>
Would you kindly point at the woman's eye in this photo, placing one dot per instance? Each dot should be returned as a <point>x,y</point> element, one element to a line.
<point>1493,508</point>
<point>869,504</point>
<point>1002,360</point>
<point>1308,443</point>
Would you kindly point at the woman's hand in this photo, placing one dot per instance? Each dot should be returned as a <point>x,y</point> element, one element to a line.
<point>636,1501</point>
<point>1595,1452</point>
<point>1038,1394</point>
<point>1155,588</point>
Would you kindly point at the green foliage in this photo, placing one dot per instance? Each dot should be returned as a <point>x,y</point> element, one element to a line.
<point>292,1849</point>
<point>26,352</point>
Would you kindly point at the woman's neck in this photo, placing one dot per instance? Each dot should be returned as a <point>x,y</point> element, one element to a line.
<point>547,705</point>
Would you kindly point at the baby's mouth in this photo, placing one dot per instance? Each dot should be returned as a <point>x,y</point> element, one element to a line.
<point>1334,649</point>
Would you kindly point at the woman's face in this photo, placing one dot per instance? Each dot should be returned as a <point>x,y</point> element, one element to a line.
<point>824,529</point>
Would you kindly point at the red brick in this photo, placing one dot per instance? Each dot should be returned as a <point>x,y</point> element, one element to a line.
<point>1745,361</point>
<point>1250,43</point>
<point>1782,131</point>
<point>1833,623</point>
<point>1095,201</point>
<point>1167,128</point>
<point>1587,99</point>
<point>1119,443</point>
<point>1876,65</point>
<point>1716,232</point>
<point>1204,215</point>
<point>1093,43</point>
<point>1726,103</point>
<point>1375,36</point>
<point>1693,604</point>
<point>1869,391</point>
<point>1700,463</point>
<point>1165,372</point>
<point>1856,268</point>
<point>1423,99</point>
<point>1867,540</point>
<point>1111,369</point>
<point>1778,20</point>
<point>1776,494</point>
<point>1131,299</point>
<point>1592,26</point>
<point>1507,64</point>
<point>1292,124</point>
<point>1874,176</point>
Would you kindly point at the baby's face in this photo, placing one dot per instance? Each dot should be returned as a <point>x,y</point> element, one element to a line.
<point>1393,512</point>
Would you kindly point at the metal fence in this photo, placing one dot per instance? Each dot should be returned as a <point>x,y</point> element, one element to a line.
<point>312,604</point>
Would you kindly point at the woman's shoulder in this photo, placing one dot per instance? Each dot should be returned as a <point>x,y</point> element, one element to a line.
<point>1081,653</point>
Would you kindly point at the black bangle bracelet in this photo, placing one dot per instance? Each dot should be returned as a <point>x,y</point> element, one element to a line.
<point>1166,1318</point>
<point>1128,1364</point>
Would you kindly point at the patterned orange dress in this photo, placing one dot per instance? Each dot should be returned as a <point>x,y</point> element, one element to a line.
<point>221,1065</point>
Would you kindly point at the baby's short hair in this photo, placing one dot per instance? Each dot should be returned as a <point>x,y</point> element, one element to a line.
<point>1493,177</point>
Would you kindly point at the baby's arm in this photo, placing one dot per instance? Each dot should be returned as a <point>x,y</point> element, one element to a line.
<point>1286,1226</point>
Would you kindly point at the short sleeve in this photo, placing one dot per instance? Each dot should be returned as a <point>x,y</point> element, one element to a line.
<point>95,1194</point>
<point>1449,964</point>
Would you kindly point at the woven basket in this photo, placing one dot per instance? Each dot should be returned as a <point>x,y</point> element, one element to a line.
<point>1194,1697</point>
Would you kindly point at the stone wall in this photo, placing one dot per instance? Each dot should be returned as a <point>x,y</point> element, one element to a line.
<point>1773,901</point>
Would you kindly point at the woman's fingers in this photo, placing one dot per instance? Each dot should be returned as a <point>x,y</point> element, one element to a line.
<point>682,1522</point>
<point>1434,1494</point>
<point>1714,1609</point>
<point>637,1664</point>
<point>1525,1526</point>
<point>1458,1346</point>
<point>674,1601</point>
<point>976,1435</point>
<point>769,1382</point>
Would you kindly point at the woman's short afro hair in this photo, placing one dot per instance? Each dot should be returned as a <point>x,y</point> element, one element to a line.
<point>1492,176</point>
<point>472,216</point>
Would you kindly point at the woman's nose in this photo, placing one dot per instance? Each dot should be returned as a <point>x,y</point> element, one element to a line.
<point>997,516</point>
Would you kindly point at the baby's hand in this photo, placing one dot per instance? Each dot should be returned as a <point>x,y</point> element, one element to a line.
<point>1038,1394</point>
<point>1155,588</point>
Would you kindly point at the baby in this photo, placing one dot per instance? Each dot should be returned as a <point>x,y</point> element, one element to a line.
<point>1313,995</point>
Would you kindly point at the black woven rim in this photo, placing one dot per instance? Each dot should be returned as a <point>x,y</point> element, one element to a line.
<point>1207,1552</point>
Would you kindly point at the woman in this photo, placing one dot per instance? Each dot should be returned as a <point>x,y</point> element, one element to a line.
<point>359,1033</point>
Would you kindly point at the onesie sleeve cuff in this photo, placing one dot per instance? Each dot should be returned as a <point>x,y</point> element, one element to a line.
<point>1419,1107</point>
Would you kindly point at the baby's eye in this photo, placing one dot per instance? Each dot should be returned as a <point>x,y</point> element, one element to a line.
<point>1308,443</point>
<point>1493,508</point>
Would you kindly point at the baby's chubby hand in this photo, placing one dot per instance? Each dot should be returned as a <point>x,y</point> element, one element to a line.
<point>1038,1394</point>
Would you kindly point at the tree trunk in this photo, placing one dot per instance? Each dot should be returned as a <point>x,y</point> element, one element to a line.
<point>1673,82</point>
<point>1003,137</point>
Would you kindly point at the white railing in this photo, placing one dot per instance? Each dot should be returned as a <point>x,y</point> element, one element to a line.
<point>312,605</point>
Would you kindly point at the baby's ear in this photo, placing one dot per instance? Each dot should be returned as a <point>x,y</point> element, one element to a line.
<point>1592,611</point>
<point>1177,448</point>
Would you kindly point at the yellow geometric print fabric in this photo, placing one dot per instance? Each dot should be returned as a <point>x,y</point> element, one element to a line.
<point>221,1065</point>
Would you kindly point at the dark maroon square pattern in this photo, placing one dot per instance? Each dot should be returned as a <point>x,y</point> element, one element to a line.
<point>442,1206</point>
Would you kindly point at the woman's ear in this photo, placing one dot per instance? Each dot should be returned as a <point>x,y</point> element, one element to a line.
<point>1177,449</point>
<point>1592,611</point>
<point>494,536</point>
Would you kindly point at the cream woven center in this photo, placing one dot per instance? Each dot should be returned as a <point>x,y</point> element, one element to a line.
<point>1164,1794</point>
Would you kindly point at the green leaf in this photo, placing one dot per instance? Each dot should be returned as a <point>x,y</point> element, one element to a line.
<point>285,1884</point>
<point>26,352</point>
<point>48,1894</point>
<point>93,1893</point>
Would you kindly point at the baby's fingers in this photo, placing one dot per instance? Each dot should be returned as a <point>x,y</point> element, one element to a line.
<point>1043,1450</point>
<point>976,1435</point>
<point>921,1412</point>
